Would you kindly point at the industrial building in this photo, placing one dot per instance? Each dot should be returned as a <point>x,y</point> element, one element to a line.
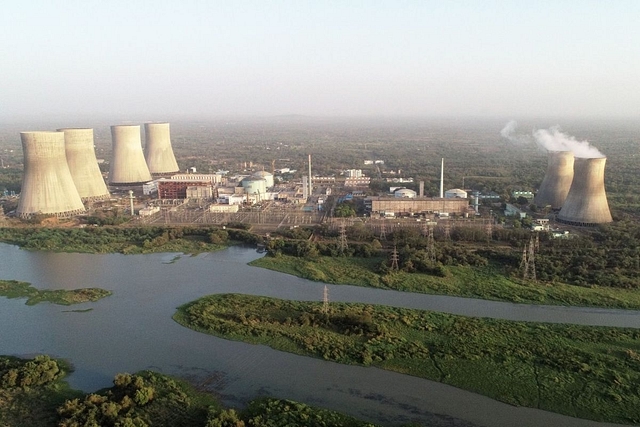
<point>83,164</point>
<point>586,203</point>
<point>557,181</point>
<point>128,166</point>
<point>268,178</point>
<point>177,188</point>
<point>47,184</point>
<point>158,152</point>
<point>400,205</point>
<point>455,193</point>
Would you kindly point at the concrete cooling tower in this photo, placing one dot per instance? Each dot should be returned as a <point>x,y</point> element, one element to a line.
<point>127,159</point>
<point>557,181</point>
<point>47,185</point>
<point>81,157</point>
<point>586,203</point>
<point>157,149</point>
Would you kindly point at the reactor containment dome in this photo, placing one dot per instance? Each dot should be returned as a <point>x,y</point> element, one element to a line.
<point>157,149</point>
<point>557,181</point>
<point>83,164</point>
<point>586,203</point>
<point>47,184</point>
<point>128,166</point>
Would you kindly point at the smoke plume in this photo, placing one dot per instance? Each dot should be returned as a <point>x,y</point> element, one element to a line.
<point>552,139</point>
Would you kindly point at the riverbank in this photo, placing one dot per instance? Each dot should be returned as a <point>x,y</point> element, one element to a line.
<point>584,372</point>
<point>33,393</point>
<point>16,289</point>
<point>125,240</point>
<point>463,281</point>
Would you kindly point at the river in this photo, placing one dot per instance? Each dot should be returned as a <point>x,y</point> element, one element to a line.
<point>133,330</point>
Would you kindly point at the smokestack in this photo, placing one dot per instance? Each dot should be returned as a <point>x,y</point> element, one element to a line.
<point>442,179</point>
<point>157,149</point>
<point>421,193</point>
<point>47,185</point>
<point>83,165</point>
<point>557,181</point>
<point>586,203</point>
<point>127,160</point>
<point>310,183</point>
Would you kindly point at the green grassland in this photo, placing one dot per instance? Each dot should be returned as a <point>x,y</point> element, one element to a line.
<point>34,394</point>
<point>16,289</point>
<point>586,372</point>
<point>485,282</point>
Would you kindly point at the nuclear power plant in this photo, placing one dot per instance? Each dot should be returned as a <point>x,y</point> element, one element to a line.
<point>128,166</point>
<point>47,185</point>
<point>83,165</point>
<point>157,149</point>
<point>586,203</point>
<point>557,181</point>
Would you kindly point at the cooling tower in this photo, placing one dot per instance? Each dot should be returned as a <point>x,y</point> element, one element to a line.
<point>47,185</point>
<point>586,203</point>
<point>81,157</point>
<point>127,160</point>
<point>557,181</point>
<point>157,149</point>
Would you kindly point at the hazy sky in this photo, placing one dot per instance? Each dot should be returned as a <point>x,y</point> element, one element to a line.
<point>160,59</point>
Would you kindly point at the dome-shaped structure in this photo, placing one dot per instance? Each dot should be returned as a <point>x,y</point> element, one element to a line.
<point>455,193</point>
<point>47,185</point>
<point>557,181</point>
<point>266,176</point>
<point>405,193</point>
<point>127,160</point>
<point>81,157</point>
<point>253,185</point>
<point>586,203</point>
<point>158,152</point>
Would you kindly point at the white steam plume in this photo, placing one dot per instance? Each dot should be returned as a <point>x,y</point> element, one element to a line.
<point>552,139</point>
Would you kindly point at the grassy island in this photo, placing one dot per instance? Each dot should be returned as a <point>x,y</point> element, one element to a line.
<point>16,289</point>
<point>585,372</point>
<point>33,394</point>
<point>474,282</point>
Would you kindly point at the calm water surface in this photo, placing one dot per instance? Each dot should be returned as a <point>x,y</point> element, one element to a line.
<point>133,330</point>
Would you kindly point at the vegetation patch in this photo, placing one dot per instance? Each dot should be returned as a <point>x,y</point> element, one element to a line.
<point>486,282</point>
<point>126,240</point>
<point>580,371</point>
<point>16,289</point>
<point>33,394</point>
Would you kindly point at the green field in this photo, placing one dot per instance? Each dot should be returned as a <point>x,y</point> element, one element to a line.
<point>585,372</point>
<point>472,282</point>
<point>16,289</point>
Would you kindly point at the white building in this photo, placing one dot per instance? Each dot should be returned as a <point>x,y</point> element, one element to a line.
<point>455,193</point>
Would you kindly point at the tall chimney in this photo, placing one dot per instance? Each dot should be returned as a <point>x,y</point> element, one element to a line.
<point>310,183</point>
<point>442,178</point>
<point>421,193</point>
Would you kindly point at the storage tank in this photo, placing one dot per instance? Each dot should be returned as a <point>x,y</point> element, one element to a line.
<point>47,185</point>
<point>557,181</point>
<point>586,203</point>
<point>266,176</point>
<point>127,159</point>
<point>254,185</point>
<point>83,165</point>
<point>158,152</point>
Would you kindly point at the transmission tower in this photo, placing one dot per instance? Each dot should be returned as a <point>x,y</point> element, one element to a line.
<point>325,300</point>
<point>383,231</point>
<point>528,262</point>
<point>343,238</point>
<point>537,241</point>
<point>488,228</point>
<point>431,245</point>
<point>447,229</point>
<point>394,258</point>
<point>424,229</point>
